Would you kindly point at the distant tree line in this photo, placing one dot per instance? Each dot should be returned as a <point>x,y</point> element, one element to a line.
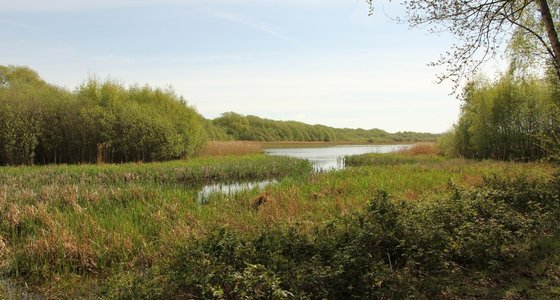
<point>511,118</point>
<point>101,121</point>
<point>251,128</point>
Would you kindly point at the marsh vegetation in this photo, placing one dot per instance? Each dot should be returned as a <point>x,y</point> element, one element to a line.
<point>392,225</point>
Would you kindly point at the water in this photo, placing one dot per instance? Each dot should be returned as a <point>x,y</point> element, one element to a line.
<point>322,158</point>
<point>332,158</point>
<point>230,188</point>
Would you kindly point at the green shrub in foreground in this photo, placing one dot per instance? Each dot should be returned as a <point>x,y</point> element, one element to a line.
<point>391,249</point>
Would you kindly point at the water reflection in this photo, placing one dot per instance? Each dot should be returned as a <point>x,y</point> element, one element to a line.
<point>332,158</point>
<point>230,188</point>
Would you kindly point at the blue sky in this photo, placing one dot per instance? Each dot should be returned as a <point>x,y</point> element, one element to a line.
<point>315,61</point>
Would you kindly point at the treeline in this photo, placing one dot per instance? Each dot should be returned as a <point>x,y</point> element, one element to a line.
<point>251,128</point>
<point>99,121</point>
<point>512,118</point>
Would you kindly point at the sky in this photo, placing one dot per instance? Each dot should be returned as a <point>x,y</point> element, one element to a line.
<point>315,61</point>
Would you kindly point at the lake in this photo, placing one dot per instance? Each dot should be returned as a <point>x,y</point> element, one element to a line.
<point>332,157</point>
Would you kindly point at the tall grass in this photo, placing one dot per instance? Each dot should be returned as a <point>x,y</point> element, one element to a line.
<point>176,172</point>
<point>466,243</point>
<point>67,228</point>
<point>218,148</point>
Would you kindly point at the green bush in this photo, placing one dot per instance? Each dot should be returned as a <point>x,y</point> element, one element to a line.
<point>391,249</point>
<point>100,121</point>
<point>508,119</point>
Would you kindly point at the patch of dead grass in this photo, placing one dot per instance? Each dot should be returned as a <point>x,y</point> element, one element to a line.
<point>424,148</point>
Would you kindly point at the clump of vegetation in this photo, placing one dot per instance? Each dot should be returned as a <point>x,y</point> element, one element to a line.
<point>421,149</point>
<point>98,122</point>
<point>512,118</point>
<point>377,159</point>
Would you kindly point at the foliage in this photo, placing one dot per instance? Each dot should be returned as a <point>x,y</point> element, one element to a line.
<point>481,27</point>
<point>252,128</point>
<point>391,249</point>
<point>509,119</point>
<point>100,121</point>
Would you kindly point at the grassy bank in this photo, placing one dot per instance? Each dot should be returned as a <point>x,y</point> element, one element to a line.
<point>137,230</point>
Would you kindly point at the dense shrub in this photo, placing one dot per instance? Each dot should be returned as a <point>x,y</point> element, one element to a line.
<point>509,119</point>
<point>100,121</point>
<point>391,249</point>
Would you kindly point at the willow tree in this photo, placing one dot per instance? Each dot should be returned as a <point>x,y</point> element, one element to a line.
<point>483,26</point>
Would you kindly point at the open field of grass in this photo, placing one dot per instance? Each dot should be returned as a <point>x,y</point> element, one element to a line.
<point>138,231</point>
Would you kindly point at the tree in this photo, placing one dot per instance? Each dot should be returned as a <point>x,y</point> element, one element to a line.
<point>481,27</point>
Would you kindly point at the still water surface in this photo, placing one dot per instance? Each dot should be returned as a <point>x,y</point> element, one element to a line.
<point>322,158</point>
<point>332,158</point>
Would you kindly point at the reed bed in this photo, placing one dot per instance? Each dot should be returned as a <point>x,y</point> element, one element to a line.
<point>424,148</point>
<point>222,148</point>
<point>73,231</point>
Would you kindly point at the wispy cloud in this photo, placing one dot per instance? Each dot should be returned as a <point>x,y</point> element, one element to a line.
<point>251,23</point>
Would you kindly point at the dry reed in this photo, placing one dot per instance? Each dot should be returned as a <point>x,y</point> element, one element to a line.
<point>424,148</point>
<point>217,148</point>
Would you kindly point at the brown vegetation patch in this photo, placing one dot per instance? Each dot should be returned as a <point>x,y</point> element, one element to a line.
<point>13,215</point>
<point>260,200</point>
<point>421,149</point>
<point>411,195</point>
<point>473,180</point>
<point>60,248</point>
<point>3,252</point>
<point>217,148</point>
<point>285,207</point>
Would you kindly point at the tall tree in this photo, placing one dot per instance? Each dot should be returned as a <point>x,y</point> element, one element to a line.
<point>482,26</point>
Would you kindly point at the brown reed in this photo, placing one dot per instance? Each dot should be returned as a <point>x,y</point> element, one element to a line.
<point>217,148</point>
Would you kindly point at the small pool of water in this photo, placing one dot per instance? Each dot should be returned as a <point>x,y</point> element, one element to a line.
<point>230,188</point>
<point>332,157</point>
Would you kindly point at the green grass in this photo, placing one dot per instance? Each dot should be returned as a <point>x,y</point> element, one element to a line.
<point>68,230</point>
